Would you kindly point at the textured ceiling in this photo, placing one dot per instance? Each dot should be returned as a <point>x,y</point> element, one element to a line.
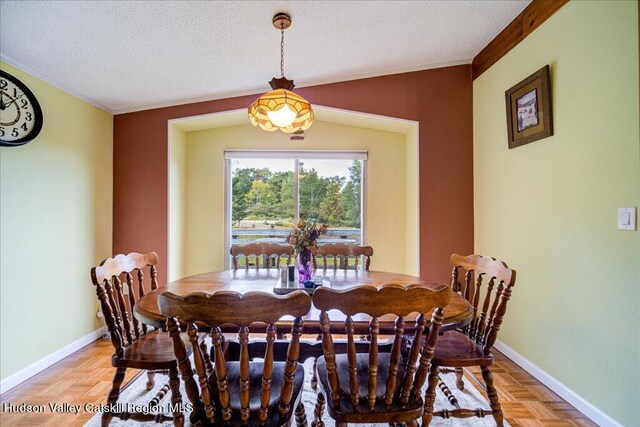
<point>124,56</point>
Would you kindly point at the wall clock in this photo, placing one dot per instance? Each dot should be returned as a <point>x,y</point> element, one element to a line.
<point>20,112</point>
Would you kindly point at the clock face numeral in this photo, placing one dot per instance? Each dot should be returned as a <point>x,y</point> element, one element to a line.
<point>15,111</point>
<point>20,114</point>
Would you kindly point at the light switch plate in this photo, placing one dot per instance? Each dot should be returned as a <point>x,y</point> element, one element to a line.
<point>627,218</point>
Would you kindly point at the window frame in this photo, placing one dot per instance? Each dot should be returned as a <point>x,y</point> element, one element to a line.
<point>296,155</point>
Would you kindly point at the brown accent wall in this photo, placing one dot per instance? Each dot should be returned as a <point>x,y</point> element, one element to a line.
<point>439,99</point>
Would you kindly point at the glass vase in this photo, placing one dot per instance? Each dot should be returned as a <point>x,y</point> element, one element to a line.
<point>305,266</point>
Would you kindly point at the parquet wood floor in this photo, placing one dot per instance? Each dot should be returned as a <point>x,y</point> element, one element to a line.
<point>85,377</point>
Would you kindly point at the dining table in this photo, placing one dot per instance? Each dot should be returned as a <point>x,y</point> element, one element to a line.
<point>457,313</point>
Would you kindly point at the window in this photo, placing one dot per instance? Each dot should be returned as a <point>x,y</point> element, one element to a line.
<point>270,190</point>
<point>330,191</point>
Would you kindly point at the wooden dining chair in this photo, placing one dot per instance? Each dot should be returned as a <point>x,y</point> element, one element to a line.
<point>239,392</point>
<point>136,345</point>
<point>337,255</point>
<point>378,387</point>
<point>264,254</point>
<point>471,346</point>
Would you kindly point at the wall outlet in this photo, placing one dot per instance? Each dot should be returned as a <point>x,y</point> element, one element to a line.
<point>627,218</point>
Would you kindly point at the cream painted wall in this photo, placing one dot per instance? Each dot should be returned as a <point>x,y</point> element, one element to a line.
<point>55,223</point>
<point>386,185</point>
<point>177,203</point>
<point>548,209</point>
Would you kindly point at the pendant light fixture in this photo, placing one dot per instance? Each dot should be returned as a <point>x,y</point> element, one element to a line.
<point>281,109</point>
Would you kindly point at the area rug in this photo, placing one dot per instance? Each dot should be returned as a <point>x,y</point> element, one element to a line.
<point>137,393</point>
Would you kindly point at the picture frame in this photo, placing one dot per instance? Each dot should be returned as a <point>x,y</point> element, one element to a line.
<point>529,114</point>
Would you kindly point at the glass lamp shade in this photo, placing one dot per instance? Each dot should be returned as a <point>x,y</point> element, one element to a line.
<point>282,117</point>
<point>282,110</point>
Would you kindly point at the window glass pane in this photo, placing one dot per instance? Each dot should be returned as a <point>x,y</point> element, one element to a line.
<point>262,200</point>
<point>330,192</point>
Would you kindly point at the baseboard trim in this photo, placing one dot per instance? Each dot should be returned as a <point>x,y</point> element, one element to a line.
<point>587,408</point>
<point>577,401</point>
<point>24,374</point>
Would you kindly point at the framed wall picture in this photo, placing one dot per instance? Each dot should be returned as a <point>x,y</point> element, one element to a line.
<point>529,115</point>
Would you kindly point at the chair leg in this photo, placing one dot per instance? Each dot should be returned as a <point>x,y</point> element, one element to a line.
<point>430,395</point>
<point>447,393</point>
<point>301,416</point>
<point>118,378</point>
<point>314,377</point>
<point>317,412</point>
<point>459,382</point>
<point>413,423</point>
<point>151,382</point>
<point>487,376</point>
<point>159,396</point>
<point>176,397</point>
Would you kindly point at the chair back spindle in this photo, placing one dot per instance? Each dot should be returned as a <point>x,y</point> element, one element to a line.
<point>132,302</point>
<point>154,277</point>
<point>141,293</point>
<point>394,360</point>
<point>414,351</point>
<point>372,384</point>
<point>122,308</point>
<point>265,392</point>
<point>330,356</point>
<point>351,354</point>
<point>201,371</point>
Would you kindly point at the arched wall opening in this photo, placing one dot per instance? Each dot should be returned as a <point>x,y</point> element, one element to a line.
<point>198,186</point>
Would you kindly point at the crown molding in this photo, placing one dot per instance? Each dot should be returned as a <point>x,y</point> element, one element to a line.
<point>53,83</point>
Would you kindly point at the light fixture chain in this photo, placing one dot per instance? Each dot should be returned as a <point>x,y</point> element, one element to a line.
<point>281,50</point>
